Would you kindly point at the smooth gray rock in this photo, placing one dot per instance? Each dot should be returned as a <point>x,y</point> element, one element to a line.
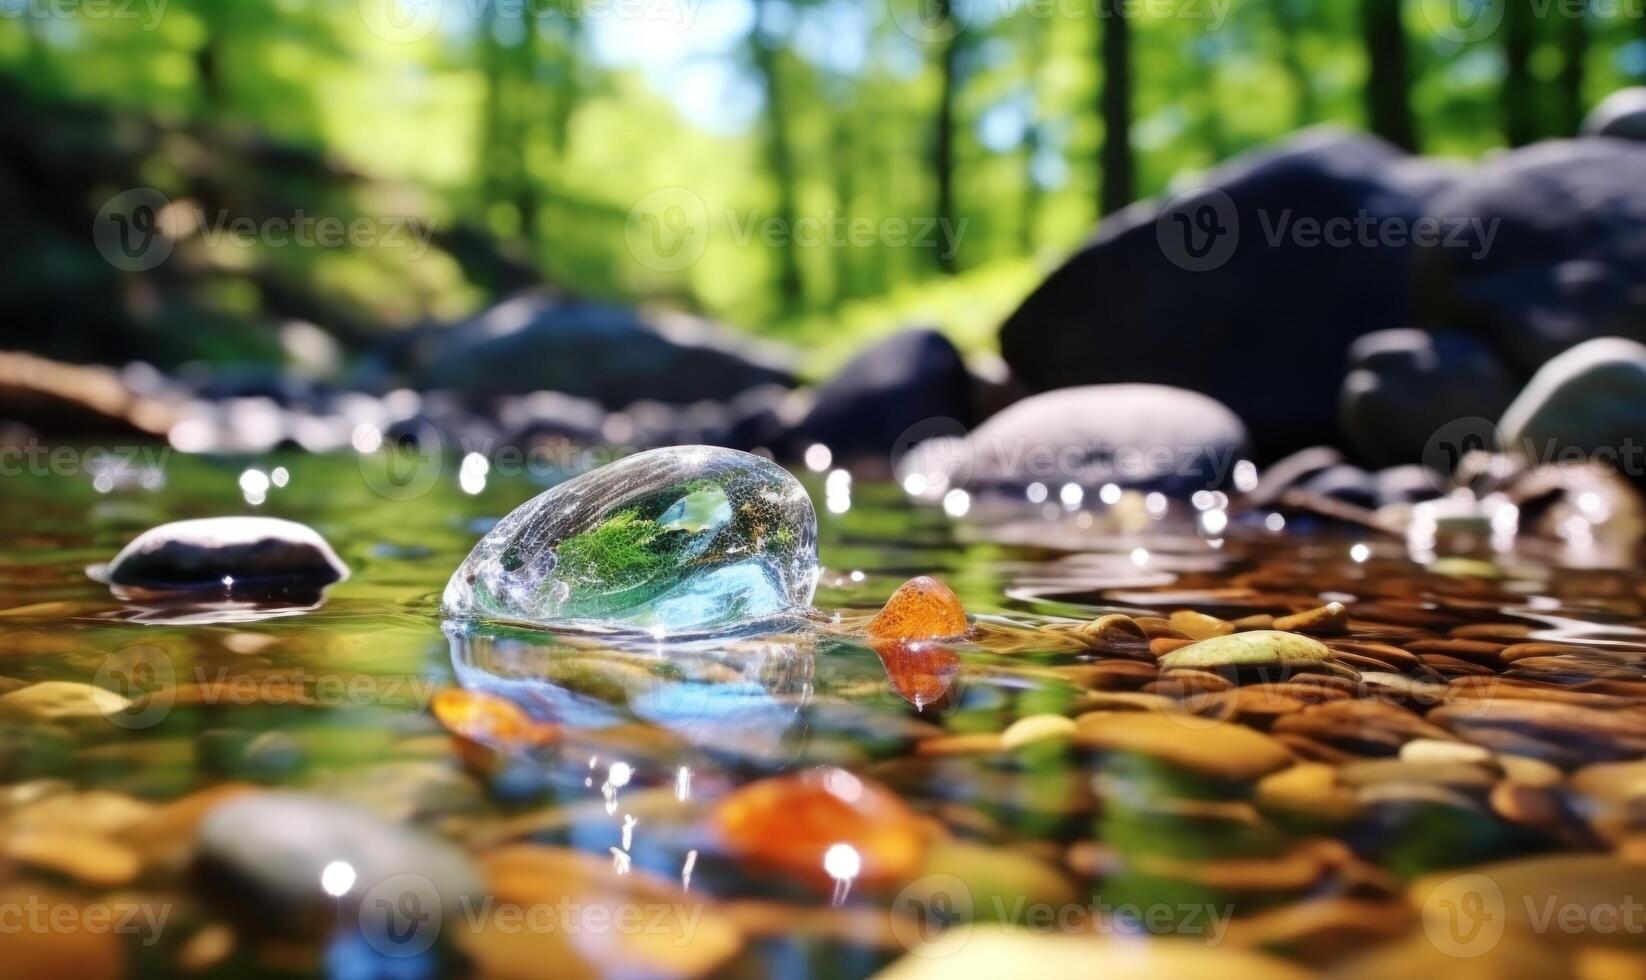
<point>1404,385</point>
<point>1409,484</point>
<point>1587,405</point>
<point>1621,114</point>
<point>202,553</point>
<point>1350,484</point>
<point>1289,472</point>
<point>266,855</point>
<point>1133,435</point>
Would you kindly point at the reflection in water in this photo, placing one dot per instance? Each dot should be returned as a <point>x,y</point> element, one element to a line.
<point>920,672</point>
<point>745,699</point>
<point>197,607</point>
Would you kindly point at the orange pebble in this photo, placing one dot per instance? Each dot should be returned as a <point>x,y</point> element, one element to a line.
<point>488,719</point>
<point>822,822</point>
<point>921,609</point>
<point>921,673</point>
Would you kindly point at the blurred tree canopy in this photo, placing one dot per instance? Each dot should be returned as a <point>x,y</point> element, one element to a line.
<point>524,133</point>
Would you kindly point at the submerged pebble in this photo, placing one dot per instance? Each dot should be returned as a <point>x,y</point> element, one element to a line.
<point>824,825</point>
<point>694,539</point>
<point>1254,648</point>
<point>279,856</point>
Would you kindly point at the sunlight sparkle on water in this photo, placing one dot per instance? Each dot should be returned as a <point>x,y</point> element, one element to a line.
<point>337,878</point>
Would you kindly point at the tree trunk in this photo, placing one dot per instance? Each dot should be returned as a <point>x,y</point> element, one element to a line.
<point>943,136</point>
<point>1388,102</point>
<point>1029,219</point>
<point>844,165</point>
<point>570,92</point>
<point>1118,187</point>
<point>779,161</point>
<point>1574,52</point>
<point>208,61</point>
<point>1520,125</point>
<point>489,165</point>
<point>1289,21</point>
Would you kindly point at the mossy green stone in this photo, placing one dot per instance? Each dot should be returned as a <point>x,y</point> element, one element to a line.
<point>1257,648</point>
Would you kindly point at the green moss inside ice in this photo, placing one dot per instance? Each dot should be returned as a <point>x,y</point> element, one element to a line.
<point>622,552</point>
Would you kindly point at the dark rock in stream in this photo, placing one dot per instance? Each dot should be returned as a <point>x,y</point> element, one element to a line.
<point>1249,290</point>
<point>1404,385</point>
<point>212,552</point>
<point>611,354</point>
<point>1544,250</point>
<point>891,386</point>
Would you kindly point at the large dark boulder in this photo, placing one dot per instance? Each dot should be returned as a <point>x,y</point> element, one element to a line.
<point>885,390</point>
<point>1249,290</point>
<point>1553,253</point>
<point>1405,385</point>
<point>614,355</point>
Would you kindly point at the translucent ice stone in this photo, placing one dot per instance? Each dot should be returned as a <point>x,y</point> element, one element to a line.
<point>687,540</point>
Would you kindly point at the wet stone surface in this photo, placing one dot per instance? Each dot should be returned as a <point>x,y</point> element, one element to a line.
<point>1012,743</point>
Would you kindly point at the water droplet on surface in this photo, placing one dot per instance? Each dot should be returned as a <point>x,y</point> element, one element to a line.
<point>688,540</point>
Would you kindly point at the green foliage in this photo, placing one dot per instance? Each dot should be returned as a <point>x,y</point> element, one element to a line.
<point>621,553</point>
<point>528,137</point>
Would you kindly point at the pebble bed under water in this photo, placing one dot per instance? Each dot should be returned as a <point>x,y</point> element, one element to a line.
<point>1151,754</point>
